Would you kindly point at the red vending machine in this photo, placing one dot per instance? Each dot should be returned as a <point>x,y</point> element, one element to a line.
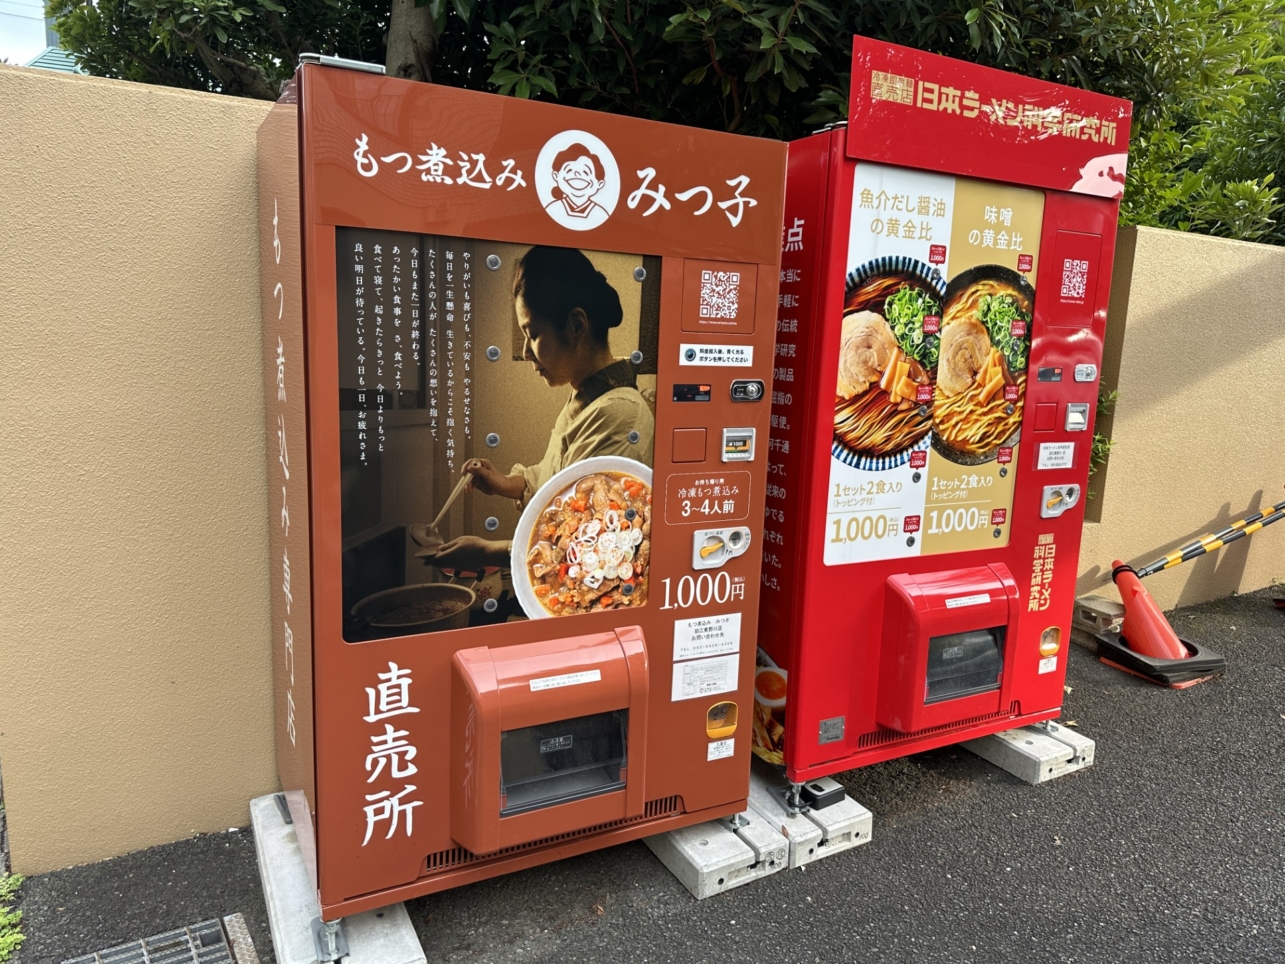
<point>946,266</point>
<point>517,358</point>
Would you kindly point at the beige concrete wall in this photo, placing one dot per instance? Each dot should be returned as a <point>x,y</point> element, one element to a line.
<point>1196,347</point>
<point>135,669</point>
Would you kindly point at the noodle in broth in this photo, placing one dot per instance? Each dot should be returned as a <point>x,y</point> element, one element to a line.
<point>969,303</point>
<point>872,423</point>
<point>970,426</point>
<point>871,295</point>
<point>965,422</point>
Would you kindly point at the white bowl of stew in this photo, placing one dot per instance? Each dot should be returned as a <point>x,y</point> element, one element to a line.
<point>578,534</point>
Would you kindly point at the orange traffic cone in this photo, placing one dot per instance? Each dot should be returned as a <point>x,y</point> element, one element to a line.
<point>1145,629</point>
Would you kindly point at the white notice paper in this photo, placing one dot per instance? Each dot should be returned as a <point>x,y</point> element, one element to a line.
<point>721,749</point>
<point>1056,455</point>
<point>707,636</point>
<point>736,355</point>
<point>705,677</point>
<point>1048,664</point>
<point>974,600</point>
<point>566,679</point>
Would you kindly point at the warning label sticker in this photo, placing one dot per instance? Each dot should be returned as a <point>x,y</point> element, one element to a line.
<point>566,679</point>
<point>721,749</point>
<point>705,677</point>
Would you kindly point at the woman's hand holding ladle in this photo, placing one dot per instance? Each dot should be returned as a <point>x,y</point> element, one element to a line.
<point>490,481</point>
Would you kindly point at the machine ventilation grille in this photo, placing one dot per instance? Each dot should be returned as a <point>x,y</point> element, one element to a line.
<point>880,737</point>
<point>445,860</point>
<point>664,807</point>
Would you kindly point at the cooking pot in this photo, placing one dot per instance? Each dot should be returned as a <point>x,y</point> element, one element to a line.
<point>425,608</point>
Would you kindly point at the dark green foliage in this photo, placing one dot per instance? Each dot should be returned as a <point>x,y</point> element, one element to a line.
<point>1206,76</point>
<point>11,936</point>
<point>241,47</point>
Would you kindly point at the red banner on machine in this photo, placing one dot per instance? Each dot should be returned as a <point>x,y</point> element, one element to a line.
<point>960,118</point>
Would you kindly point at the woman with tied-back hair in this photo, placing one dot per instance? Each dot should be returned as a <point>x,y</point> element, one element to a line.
<point>565,309</point>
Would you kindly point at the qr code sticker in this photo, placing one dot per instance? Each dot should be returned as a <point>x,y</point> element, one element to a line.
<point>1075,277</point>
<point>719,293</point>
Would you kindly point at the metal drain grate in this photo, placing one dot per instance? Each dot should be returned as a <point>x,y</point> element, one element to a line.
<point>203,943</point>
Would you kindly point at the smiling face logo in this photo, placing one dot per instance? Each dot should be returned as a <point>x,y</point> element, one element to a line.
<point>577,180</point>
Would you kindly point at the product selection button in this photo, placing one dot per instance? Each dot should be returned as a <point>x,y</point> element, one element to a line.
<point>689,445</point>
<point>1045,416</point>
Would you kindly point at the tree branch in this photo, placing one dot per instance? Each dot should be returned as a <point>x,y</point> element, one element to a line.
<point>781,34</point>
<point>236,75</point>
<point>733,85</point>
<point>628,56</point>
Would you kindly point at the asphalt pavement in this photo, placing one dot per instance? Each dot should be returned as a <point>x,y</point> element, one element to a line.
<point>1171,848</point>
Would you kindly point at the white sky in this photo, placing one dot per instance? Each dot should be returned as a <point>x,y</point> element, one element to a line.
<point>22,30</point>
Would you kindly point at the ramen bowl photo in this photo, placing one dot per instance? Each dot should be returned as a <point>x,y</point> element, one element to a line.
<point>770,686</point>
<point>982,365</point>
<point>771,683</point>
<point>888,354</point>
<point>583,543</point>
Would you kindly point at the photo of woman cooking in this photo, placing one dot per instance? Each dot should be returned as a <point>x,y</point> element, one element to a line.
<point>568,386</point>
<point>565,310</point>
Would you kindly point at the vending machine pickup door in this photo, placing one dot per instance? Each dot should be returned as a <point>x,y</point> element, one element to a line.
<point>944,637</point>
<point>542,734</point>
<point>961,664</point>
<point>552,763</point>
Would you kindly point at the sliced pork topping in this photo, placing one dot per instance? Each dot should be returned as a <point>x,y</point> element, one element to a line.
<point>866,346</point>
<point>965,352</point>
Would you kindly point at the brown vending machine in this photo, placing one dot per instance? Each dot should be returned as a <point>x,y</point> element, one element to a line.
<point>518,359</point>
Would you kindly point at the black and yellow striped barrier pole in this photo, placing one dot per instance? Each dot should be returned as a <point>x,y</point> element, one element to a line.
<point>1237,530</point>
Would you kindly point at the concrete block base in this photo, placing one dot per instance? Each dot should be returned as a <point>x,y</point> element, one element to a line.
<point>1036,753</point>
<point>383,936</point>
<point>1093,615</point>
<point>812,834</point>
<point>712,857</point>
<point>721,854</point>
